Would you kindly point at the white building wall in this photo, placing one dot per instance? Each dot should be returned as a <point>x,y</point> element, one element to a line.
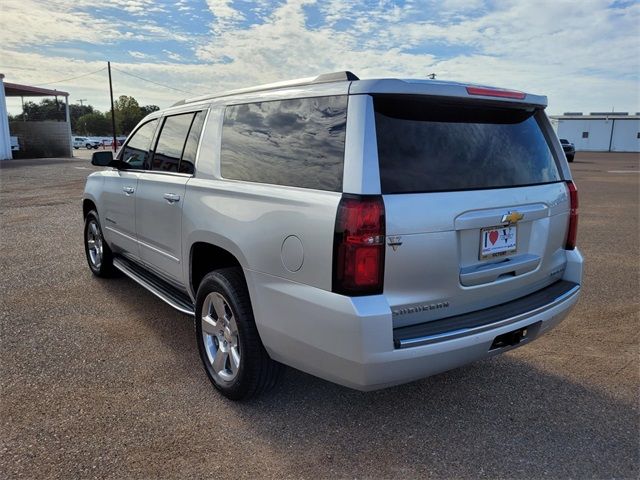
<point>5,140</point>
<point>599,133</point>
<point>625,135</point>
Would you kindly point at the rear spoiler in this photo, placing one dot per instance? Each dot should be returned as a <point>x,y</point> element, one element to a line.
<point>446,89</point>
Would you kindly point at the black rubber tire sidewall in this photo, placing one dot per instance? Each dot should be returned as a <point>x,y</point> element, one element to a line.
<point>257,372</point>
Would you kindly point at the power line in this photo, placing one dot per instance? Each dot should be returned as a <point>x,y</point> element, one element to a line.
<point>151,81</point>
<point>73,78</point>
<point>19,68</point>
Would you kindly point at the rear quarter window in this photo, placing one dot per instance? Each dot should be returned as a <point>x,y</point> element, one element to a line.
<point>431,146</point>
<point>297,142</point>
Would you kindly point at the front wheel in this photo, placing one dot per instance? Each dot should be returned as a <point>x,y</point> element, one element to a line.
<point>232,353</point>
<point>98,253</point>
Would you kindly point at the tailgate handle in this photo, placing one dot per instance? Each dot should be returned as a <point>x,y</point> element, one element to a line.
<point>490,272</point>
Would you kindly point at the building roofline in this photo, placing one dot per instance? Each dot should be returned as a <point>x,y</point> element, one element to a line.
<point>595,117</point>
<point>18,90</point>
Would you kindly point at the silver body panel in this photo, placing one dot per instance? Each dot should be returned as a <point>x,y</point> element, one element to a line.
<point>302,323</point>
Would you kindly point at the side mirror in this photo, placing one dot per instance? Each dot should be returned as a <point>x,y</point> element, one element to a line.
<point>102,159</point>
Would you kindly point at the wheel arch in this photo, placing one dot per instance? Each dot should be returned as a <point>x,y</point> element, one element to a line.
<point>206,255</point>
<point>87,205</point>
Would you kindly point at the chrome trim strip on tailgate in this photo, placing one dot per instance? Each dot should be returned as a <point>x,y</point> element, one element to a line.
<point>572,289</point>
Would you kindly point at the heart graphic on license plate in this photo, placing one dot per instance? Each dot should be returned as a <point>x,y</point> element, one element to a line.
<point>493,237</point>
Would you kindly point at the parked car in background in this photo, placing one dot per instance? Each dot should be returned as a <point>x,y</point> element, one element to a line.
<point>569,149</point>
<point>15,144</point>
<point>369,232</point>
<point>79,142</point>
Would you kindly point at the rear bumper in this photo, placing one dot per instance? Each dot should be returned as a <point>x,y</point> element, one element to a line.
<point>350,341</point>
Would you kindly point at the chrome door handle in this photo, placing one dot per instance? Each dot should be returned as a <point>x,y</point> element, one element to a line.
<point>171,197</point>
<point>128,190</point>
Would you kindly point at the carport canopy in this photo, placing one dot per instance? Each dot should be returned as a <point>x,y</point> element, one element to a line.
<point>17,90</point>
<point>8,89</point>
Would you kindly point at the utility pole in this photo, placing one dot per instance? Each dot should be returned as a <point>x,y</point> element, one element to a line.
<point>113,113</point>
<point>81,100</point>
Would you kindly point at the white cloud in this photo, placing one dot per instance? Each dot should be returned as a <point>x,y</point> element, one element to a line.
<point>136,54</point>
<point>30,22</point>
<point>588,63</point>
<point>225,14</point>
<point>176,57</point>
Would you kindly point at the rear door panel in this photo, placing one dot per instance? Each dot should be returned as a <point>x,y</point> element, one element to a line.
<point>159,221</point>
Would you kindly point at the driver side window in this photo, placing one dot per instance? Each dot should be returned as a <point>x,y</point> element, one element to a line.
<point>136,152</point>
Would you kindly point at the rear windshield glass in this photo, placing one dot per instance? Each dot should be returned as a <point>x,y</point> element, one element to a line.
<point>429,146</point>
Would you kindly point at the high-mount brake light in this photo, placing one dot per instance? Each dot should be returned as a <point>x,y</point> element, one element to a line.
<point>496,92</point>
<point>572,232</point>
<point>358,247</point>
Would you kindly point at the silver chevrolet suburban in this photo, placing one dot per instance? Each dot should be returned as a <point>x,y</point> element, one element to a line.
<point>369,232</point>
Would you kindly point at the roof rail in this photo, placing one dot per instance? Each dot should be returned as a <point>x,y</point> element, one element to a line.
<point>345,76</point>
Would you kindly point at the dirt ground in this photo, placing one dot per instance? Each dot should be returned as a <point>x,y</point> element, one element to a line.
<point>100,379</point>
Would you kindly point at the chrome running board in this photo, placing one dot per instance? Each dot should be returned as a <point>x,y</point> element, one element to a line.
<point>161,289</point>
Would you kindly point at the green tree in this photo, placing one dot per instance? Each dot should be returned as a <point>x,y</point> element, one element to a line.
<point>77,111</point>
<point>47,109</point>
<point>128,114</point>
<point>94,123</point>
<point>147,109</point>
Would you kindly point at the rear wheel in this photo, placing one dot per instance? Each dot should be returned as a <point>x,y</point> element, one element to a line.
<point>232,353</point>
<point>570,158</point>
<point>99,256</point>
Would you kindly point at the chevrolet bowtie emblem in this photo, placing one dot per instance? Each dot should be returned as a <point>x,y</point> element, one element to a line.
<point>512,217</point>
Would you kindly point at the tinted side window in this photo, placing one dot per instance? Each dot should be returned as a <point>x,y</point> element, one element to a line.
<point>136,151</point>
<point>191,147</point>
<point>430,146</point>
<point>171,142</point>
<point>297,142</point>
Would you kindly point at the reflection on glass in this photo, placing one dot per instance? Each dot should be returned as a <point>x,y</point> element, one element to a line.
<point>426,147</point>
<point>298,142</point>
<point>191,147</point>
<point>171,142</point>
<point>136,151</point>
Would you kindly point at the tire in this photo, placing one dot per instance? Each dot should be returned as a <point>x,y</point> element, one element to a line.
<point>570,158</point>
<point>98,253</point>
<point>76,148</point>
<point>230,348</point>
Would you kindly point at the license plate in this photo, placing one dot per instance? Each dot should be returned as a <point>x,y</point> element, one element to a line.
<point>497,241</point>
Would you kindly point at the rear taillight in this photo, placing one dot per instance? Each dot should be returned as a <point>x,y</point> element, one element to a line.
<point>495,92</point>
<point>358,246</point>
<point>572,233</point>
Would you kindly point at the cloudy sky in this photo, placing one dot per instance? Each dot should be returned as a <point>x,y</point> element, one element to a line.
<point>583,54</point>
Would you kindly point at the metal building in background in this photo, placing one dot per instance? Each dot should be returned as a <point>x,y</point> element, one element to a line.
<point>600,131</point>
<point>47,138</point>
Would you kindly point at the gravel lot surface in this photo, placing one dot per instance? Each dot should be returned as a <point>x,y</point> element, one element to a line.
<point>101,379</point>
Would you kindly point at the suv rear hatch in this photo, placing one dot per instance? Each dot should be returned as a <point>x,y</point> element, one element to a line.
<point>475,203</point>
